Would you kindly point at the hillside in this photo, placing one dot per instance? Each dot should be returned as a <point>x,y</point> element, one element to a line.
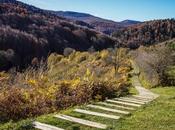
<point>156,63</point>
<point>63,82</point>
<point>100,24</point>
<point>31,32</point>
<point>146,33</point>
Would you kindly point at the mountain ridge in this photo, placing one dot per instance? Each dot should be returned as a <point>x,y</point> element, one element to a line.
<point>100,24</point>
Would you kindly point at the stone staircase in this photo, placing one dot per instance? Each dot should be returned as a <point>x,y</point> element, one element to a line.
<point>122,105</point>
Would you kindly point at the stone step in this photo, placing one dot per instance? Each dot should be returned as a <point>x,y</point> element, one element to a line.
<point>114,105</point>
<point>108,109</point>
<point>135,99</point>
<point>96,114</point>
<point>131,101</point>
<point>43,126</point>
<point>139,98</point>
<point>143,97</point>
<point>124,103</point>
<point>82,121</point>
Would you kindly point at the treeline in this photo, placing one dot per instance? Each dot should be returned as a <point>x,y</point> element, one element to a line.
<point>146,33</point>
<point>34,35</point>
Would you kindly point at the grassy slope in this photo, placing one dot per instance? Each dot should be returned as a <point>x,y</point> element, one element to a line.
<point>159,115</point>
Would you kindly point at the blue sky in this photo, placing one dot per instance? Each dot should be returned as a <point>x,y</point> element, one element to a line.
<point>116,10</point>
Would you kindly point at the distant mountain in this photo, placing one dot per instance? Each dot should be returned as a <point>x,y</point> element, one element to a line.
<point>130,22</point>
<point>146,33</point>
<point>27,32</point>
<point>100,24</point>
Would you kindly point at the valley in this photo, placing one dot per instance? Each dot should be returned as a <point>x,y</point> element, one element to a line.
<point>77,71</point>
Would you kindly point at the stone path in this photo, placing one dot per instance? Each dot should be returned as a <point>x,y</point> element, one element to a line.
<point>108,109</point>
<point>122,106</point>
<point>81,121</point>
<point>117,106</point>
<point>43,126</point>
<point>131,101</point>
<point>97,114</point>
<point>124,103</point>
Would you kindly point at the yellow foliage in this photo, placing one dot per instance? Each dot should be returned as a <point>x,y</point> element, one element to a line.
<point>51,91</point>
<point>53,59</point>
<point>123,69</point>
<point>82,73</point>
<point>124,78</point>
<point>44,78</point>
<point>3,74</point>
<point>127,62</point>
<point>104,54</point>
<point>75,82</point>
<point>26,95</point>
<point>88,72</point>
<point>88,75</point>
<point>32,82</point>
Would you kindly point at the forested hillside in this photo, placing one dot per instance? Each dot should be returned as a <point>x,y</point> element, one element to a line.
<point>147,33</point>
<point>31,32</point>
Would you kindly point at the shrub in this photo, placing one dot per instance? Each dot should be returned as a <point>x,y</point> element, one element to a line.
<point>17,103</point>
<point>65,82</point>
<point>68,96</point>
<point>53,59</point>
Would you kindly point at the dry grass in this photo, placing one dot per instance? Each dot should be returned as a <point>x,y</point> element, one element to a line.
<point>64,82</point>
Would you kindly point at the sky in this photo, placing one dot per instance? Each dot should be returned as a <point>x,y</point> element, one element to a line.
<point>117,10</point>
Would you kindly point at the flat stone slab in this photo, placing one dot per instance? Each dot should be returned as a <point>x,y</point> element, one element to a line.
<point>135,99</point>
<point>144,97</point>
<point>43,126</point>
<point>108,109</point>
<point>124,103</point>
<point>97,114</point>
<point>131,101</point>
<point>82,121</point>
<point>114,105</point>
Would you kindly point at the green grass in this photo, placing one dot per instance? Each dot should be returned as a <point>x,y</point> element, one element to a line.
<point>158,115</point>
<point>133,91</point>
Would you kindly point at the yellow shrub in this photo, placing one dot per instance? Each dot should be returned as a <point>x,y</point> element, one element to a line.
<point>88,75</point>
<point>53,59</point>
<point>75,82</point>
<point>123,70</point>
<point>32,82</point>
<point>104,54</point>
<point>3,74</point>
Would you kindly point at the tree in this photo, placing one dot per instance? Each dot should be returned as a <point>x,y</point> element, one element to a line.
<point>114,58</point>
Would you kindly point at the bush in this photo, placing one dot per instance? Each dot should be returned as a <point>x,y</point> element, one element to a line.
<point>65,82</point>
<point>17,103</point>
<point>85,92</point>
<point>169,76</point>
<point>53,59</point>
